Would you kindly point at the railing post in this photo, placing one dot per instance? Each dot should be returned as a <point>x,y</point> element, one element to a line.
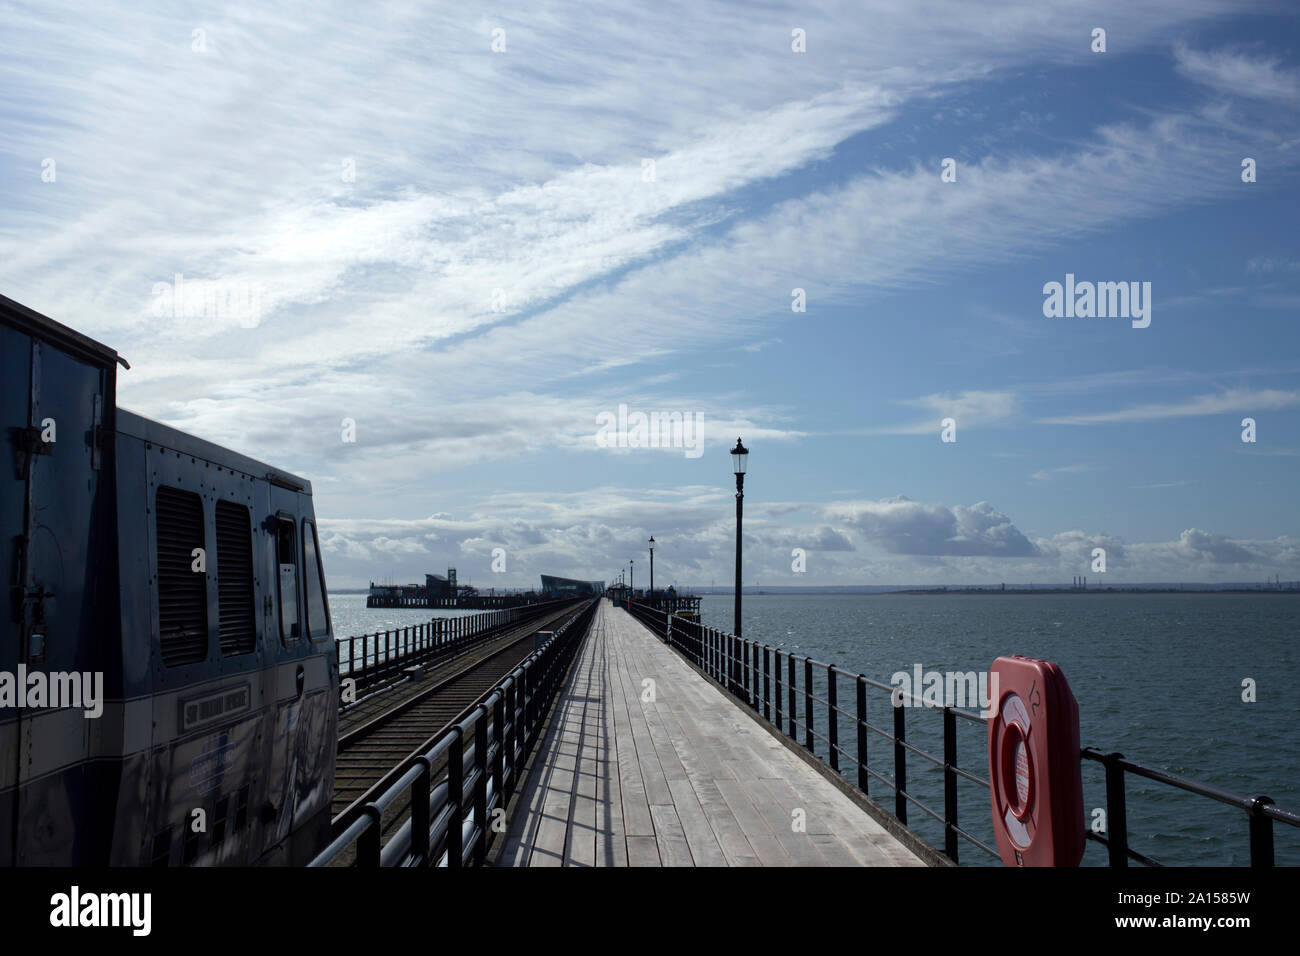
<point>498,738</point>
<point>456,797</point>
<point>832,718</point>
<point>1116,811</point>
<point>862,734</point>
<point>481,770</point>
<point>807,706</point>
<point>767,685</point>
<point>793,711</point>
<point>368,842</point>
<point>776,696</point>
<point>950,784</point>
<point>731,663</point>
<point>900,764</point>
<point>420,813</point>
<point>745,682</point>
<point>512,715</point>
<point>1261,833</point>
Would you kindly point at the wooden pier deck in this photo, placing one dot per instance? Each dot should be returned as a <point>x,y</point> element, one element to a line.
<point>688,779</point>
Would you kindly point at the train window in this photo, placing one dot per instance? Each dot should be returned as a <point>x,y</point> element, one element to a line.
<point>182,591</point>
<point>287,559</point>
<point>235,579</point>
<point>318,622</point>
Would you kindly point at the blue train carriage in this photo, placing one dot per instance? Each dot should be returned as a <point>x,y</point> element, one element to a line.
<point>169,676</point>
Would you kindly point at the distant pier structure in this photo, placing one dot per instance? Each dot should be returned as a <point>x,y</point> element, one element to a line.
<point>438,591</point>
<point>667,600</point>
<point>571,587</point>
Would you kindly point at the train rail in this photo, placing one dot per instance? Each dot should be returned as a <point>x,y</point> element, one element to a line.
<point>439,806</point>
<point>369,753</point>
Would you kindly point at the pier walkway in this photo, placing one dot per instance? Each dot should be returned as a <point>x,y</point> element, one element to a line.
<point>687,778</point>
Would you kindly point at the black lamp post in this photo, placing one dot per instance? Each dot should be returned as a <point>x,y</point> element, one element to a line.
<point>652,569</point>
<point>739,458</point>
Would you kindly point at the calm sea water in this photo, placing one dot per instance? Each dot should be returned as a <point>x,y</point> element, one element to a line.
<point>351,618</point>
<point>1158,677</point>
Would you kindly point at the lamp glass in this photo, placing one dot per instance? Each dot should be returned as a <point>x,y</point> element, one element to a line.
<point>739,457</point>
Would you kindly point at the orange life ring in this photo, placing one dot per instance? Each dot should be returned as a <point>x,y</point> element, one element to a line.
<point>1034,777</point>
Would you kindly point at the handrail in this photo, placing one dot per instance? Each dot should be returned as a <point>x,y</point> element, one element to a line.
<point>447,820</point>
<point>749,670</point>
<point>384,654</point>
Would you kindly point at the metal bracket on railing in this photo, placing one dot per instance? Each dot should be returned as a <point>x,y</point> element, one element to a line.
<point>1261,832</point>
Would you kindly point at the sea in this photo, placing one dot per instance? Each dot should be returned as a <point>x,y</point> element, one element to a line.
<point>1160,678</point>
<point>1164,679</point>
<point>351,618</point>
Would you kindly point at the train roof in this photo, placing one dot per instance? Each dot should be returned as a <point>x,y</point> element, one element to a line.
<point>42,327</point>
<point>165,436</point>
<point>56,333</point>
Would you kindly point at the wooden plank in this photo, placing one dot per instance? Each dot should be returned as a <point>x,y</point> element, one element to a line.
<point>674,850</point>
<point>636,803</point>
<point>642,851</point>
<point>730,835</point>
<point>582,817</point>
<point>756,829</point>
<point>703,842</point>
<point>652,772</point>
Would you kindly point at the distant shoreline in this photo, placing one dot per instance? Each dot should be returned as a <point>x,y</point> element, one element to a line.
<point>991,589</point>
<point>1110,590</point>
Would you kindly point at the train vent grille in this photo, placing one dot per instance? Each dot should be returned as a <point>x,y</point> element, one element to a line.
<point>182,592</point>
<point>235,579</point>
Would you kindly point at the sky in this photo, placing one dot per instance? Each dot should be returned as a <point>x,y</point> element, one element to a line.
<point>434,258</point>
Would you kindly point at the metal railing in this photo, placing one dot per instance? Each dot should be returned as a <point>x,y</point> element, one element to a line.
<point>483,752</point>
<point>371,659</point>
<point>752,672</point>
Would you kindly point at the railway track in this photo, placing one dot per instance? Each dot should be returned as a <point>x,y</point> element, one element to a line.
<point>368,753</point>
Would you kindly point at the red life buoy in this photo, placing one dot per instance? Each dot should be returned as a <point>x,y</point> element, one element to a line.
<point>1034,775</point>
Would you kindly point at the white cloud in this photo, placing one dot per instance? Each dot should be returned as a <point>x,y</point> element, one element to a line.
<point>968,409</point>
<point>902,526</point>
<point>1239,73</point>
<point>1231,400</point>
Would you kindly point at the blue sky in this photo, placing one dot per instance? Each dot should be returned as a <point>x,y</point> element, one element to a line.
<point>461,250</point>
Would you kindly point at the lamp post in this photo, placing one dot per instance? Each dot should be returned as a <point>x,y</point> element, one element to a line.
<point>739,459</point>
<point>652,569</point>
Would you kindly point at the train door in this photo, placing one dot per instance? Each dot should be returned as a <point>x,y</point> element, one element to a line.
<point>285,642</point>
<point>15,396</point>
<point>58,541</point>
<point>317,741</point>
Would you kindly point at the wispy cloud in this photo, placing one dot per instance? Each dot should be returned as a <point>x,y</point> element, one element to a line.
<point>1239,74</point>
<point>968,409</point>
<point>1047,473</point>
<point>1232,400</point>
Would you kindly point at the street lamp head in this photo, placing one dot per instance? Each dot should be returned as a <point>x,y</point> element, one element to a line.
<point>739,454</point>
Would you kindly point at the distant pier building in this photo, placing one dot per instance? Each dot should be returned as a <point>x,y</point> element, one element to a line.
<point>570,587</point>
